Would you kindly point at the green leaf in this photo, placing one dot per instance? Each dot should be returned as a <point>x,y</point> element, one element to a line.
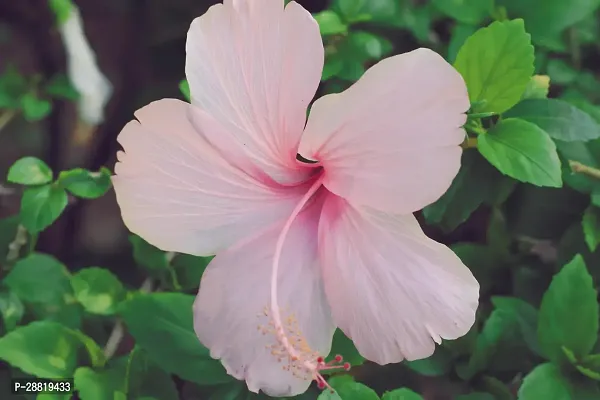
<point>558,118</point>
<point>345,347</point>
<point>524,314</point>
<point>347,389</point>
<point>367,10</point>
<point>147,255</point>
<point>29,171</point>
<point>330,23</point>
<point>477,183</point>
<point>60,87</point>
<point>189,270</point>
<point>44,349</point>
<point>591,227</point>
<point>168,337</point>
<point>62,9</point>
<point>522,151</point>
<point>98,290</point>
<point>547,382</point>
<point>39,278</point>
<point>92,385</point>
<point>41,206</point>
<point>548,18</point>
<point>184,88</point>
<point>537,88</point>
<point>85,184</point>
<point>439,364</point>
<point>11,308</point>
<point>460,33</point>
<point>497,63</point>
<point>34,108</point>
<point>466,11</point>
<point>401,394</point>
<point>558,325</point>
<point>560,72</point>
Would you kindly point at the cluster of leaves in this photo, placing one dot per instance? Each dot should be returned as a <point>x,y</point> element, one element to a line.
<point>529,187</point>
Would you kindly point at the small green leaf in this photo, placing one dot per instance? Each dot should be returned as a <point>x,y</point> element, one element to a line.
<point>147,255</point>
<point>522,151</point>
<point>85,184</point>
<point>591,227</point>
<point>347,389</point>
<point>30,171</point>
<point>60,87</point>
<point>93,385</point>
<point>558,118</point>
<point>354,11</point>
<point>524,314</point>
<point>62,9</point>
<point>547,382</point>
<point>44,349</point>
<point>41,206</point>
<point>98,290</point>
<point>11,308</point>
<point>558,325</point>
<point>330,23</point>
<point>537,88</point>
<point>497,63</point>
<point>168,337</point>
<point>560,72</point>
<point>466,11</point>
<point>184,88</point>
<point>34,108</point>
<point>401,394</point>
<point>39,278</point>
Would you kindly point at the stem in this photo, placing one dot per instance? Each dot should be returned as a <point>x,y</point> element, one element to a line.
<point>275,268</point>
<point>112,344</point>
<point>14,248</point>
<point>580,168</point>
<point>6,117</point>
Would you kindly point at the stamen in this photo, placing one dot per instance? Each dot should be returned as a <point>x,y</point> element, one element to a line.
<point>291,347</point>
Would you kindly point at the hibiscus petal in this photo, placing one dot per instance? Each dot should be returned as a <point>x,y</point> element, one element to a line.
<point>235,290</point>
<point>391,141</point>
<point>392,290</point>
<point>179,194</point>
<point>255,66</point>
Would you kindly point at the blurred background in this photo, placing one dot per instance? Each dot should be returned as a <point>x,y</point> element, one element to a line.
<point>139,46</point>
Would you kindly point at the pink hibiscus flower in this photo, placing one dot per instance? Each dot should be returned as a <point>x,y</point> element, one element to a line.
<point>301,248</point>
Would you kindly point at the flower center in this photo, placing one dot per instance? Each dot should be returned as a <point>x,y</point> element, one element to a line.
<point>291,344</point>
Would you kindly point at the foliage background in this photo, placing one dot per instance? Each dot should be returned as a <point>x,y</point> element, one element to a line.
<point>81,298</point>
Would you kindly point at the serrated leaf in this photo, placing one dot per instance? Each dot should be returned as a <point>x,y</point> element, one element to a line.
<point>497,63</point>
<point>558,325</point>
<point>559,119</point>
<point>41,206</point>
<point>30,171</point>
<point>522,151</point>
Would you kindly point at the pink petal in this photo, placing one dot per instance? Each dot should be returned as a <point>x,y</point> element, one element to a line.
<point>179,194</point>
<point>391,141</point>
<point>255,67</point>
<point>392,290</point>
<point>235,289</point>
